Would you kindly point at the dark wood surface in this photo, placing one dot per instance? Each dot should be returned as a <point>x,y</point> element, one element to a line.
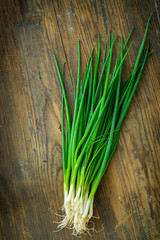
<point>31,188</point>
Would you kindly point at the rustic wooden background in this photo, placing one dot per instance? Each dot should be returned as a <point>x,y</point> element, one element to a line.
<point>128,198</point>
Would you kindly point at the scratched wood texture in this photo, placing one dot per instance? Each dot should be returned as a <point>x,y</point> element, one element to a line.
<point>31,187</point>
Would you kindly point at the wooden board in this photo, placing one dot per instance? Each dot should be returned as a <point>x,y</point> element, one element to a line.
<point>128,198</point>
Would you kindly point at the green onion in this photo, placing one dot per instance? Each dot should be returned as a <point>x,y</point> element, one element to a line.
<point>91,137</point>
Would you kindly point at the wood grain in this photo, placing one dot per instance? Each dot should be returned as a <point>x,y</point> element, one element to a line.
<point>128,198</point>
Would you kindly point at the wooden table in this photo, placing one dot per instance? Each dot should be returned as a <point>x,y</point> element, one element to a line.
<point>128,198</point>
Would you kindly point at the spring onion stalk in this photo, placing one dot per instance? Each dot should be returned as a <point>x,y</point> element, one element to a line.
<point>90,139</point>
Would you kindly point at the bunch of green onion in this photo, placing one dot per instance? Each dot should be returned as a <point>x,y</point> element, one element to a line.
<point>90,139</point>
